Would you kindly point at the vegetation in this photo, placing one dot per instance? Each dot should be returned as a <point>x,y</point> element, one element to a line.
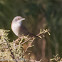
<point>39,14</point>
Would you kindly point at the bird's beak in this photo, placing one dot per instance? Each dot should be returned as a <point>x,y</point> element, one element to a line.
<point>23,19</point>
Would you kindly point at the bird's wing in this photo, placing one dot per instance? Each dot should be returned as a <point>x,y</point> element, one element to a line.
<point>23,30</point>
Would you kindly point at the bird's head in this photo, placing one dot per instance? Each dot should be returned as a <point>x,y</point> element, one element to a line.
<point>18,19</point>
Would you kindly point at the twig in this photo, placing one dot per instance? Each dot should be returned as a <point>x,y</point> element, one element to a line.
<point>21,42</point>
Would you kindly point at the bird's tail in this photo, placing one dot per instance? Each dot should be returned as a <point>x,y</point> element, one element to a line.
<point>36,36</point>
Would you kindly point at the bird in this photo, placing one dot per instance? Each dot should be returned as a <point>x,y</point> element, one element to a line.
<point>19,29</point>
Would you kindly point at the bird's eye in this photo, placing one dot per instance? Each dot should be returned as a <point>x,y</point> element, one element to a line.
<point>19,18</point>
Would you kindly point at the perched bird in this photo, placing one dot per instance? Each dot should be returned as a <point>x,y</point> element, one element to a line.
<point>18,28</point>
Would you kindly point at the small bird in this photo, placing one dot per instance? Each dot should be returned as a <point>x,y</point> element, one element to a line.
<point>18,28</point>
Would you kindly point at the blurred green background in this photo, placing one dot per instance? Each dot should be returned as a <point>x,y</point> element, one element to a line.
<point>39,14</point>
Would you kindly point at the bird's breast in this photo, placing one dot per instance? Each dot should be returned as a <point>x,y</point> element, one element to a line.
<point>15,28</point>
